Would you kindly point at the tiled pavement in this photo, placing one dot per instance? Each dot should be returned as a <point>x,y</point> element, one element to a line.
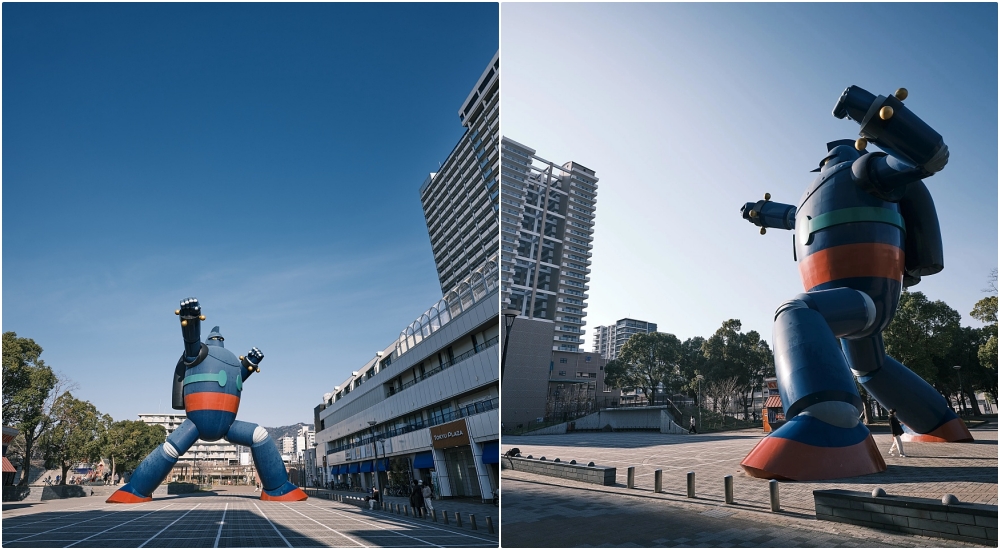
<point>226,518</point>
<point>545,511</point>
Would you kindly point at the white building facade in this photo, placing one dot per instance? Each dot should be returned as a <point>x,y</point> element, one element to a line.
<point>427,405</point>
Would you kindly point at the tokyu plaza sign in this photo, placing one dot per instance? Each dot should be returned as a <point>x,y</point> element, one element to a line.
<point>451,434</point>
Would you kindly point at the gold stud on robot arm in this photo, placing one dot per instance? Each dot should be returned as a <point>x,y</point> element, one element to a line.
<point>763,230</point>
<point>885,113</point>
<point>201,317</point>
<point>184,322</point>
<point>177,312</point>
<point>767,196</point>
<point>901,94</point>
<point>861,144</point>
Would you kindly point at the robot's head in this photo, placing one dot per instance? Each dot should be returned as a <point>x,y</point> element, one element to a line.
<point>215,339</point>
<point>837,152</point>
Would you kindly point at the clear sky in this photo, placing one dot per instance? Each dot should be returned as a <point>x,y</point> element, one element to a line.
<point>686,111</point>
<point>264,158</point>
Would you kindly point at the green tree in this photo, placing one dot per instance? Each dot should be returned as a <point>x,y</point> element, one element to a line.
<point>921,334</point>
<point>127,442</point>
<point>28,385</point>
<point>985,310</point>
<point>645,362</point>
<point>691,362</point>
<point>737,364</point>
<point>74,434</point>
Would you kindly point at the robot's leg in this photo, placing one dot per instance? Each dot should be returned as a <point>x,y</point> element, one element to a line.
<point>271,470</point>
<point>822,438</point>
<point>154,469</point>
<point>924,413</point>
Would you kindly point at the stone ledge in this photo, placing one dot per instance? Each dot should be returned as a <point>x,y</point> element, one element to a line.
<point>599,475</point>
<point>921,516</point>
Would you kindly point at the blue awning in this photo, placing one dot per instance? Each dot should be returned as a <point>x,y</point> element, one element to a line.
<point>491,452</point>
<point>382,465</point>
<point>342,469</point>
<point>424,460</point>
<point>334,470</point>
<point>366,466</point>
<point>355,468</point>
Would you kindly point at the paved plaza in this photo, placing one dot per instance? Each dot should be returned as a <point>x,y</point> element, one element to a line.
<point>540,511</point>
<point>232,517</point>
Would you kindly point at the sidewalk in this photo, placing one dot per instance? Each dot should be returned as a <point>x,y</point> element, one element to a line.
<point>536,506</point>
<point>465,506</point>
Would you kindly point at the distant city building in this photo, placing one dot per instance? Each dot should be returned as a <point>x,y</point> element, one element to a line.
<point>576,386</point>
<point>547,226</point>
<point>609,339</point>
<point>219,461</point>
<point>461,200</point>
<point>546,233</point>
<point>211,451</point>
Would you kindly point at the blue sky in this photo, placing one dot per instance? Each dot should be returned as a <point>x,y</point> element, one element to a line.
<point>686,111</point>
<point>265,158</point>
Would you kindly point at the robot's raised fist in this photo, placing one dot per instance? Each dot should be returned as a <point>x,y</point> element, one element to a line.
<point>252,360</point>
<point>190,309</point>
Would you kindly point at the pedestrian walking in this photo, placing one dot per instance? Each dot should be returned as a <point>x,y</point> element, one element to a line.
<point>428,495</point>
<point>375,498</point>
<point>416,498</point>
<point>691,427</point>
<point>897,431</point>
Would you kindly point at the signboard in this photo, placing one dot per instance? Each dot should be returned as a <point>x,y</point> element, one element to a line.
<point>451,434</point>
<point>772,385</point>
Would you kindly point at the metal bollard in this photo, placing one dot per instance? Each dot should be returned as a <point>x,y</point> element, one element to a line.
<point>444,514</point>
<point>658,481</point>
<point>631,477</point>
<point>690,484</point>
<point>406,510</point>
<point>773,489</point>
<point>472,522</point>
<point>489,525</point>
<point>728,483</point>
<point>434,515</point>
<point>458,519</point>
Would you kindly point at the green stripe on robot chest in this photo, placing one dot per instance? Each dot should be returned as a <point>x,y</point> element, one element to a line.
<point>221,377</point>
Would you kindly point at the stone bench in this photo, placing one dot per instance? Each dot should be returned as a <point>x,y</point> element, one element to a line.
<point>599,475</point>
<point>976,523</point>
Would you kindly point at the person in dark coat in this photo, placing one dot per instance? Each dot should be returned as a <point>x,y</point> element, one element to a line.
<point>897,431</point>
<point>417,499</point>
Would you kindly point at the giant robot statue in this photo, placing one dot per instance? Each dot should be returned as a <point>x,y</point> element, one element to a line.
<point>864,229</point>
<point>208,381</point>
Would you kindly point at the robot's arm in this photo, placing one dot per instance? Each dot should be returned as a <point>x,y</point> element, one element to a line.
<point>191,318</point>
<point>913,150</point>
<point>766,214</point>
<point>250,362</point>
<point>924,252</point>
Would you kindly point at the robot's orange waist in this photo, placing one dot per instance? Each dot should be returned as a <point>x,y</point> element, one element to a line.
<point>852,261</point>
<point>214,401</point>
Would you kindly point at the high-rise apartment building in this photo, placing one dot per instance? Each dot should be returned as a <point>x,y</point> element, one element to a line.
<point>461,200</point>
<point>609,339</point>
<point>546,226</point>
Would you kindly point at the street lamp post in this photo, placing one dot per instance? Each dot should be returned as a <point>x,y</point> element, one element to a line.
<point>508,321</point>
<point>375,452</point>
<point>961,393</point>
<point>699,378</point>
